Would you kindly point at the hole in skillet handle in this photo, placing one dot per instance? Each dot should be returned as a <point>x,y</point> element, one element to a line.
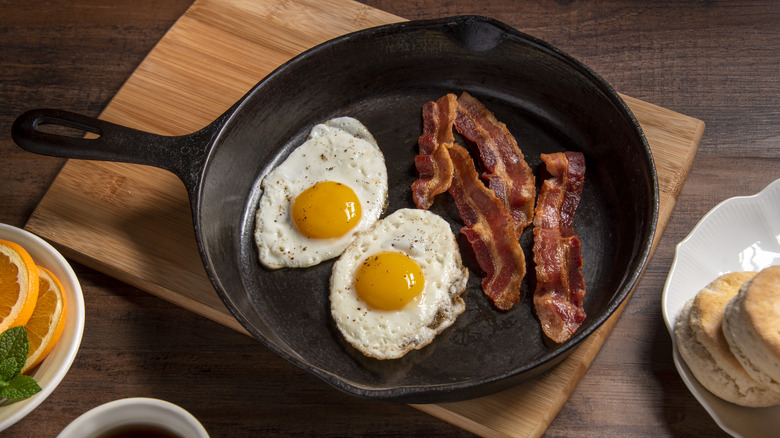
<point>66,134</point>
<point>66,128</point>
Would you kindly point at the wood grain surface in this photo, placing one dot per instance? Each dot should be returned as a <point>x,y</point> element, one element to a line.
<point>133,222</point>
<point>715,62</point>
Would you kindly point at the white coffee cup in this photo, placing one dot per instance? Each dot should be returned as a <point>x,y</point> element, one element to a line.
<point>134,411</point>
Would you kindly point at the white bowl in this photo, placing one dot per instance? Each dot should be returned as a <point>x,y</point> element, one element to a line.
<point>134,411</point>
<point>54,367</point>
<point>739,234</point>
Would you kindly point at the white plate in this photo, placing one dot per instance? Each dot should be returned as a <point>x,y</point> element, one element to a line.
<point>54,367</point>
<point>739,234</point>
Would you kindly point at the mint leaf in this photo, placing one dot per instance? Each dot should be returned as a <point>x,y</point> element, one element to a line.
<point>8,369</point>
<point>14,343</point>
<point>14,347</point>
<point>20,387</point>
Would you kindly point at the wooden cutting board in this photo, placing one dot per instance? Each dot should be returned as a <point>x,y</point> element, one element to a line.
<point>133,222</point>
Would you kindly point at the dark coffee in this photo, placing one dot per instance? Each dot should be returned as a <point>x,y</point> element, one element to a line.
<point>139,431</point>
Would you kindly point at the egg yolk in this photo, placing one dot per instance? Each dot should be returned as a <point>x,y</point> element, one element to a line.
<point>389,280</point>
<point>325,210</point>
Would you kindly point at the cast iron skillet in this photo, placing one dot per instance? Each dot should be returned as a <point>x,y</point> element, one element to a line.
<point>383,76</point>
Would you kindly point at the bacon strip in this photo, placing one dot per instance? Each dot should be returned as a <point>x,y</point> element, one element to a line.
<point>560,285</point>
<point>508,175</point>
<point>433,162</point>
<point>490,230</point>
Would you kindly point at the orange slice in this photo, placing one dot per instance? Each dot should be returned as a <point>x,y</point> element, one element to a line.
<point>47,321</point>
<point>18,285</point>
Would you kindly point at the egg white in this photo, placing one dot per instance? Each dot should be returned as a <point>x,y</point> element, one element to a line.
<point>390,334</point>
<point>340,150</point>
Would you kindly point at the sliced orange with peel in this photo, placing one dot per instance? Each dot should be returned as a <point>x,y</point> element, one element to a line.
<point>18,285</point>
<point>48,319</point>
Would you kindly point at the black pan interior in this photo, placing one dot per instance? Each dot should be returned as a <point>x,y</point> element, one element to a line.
<point>383,77</point>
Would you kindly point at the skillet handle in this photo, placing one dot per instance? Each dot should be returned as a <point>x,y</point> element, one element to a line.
<point>183,155</point>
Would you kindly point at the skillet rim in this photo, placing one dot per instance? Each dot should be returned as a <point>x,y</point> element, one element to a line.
<point>458,390</point>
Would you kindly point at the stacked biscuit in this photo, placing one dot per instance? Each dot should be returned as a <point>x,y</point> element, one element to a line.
<point>729,336</point>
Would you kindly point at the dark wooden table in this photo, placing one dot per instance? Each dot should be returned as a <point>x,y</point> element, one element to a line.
<point>715,61</point>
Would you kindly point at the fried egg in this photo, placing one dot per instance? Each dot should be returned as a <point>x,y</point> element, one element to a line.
<point>331,187</point>
<point>398,285</point>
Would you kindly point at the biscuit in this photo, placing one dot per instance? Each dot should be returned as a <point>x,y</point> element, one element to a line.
<point>751,325</point>
<point>702,345</point>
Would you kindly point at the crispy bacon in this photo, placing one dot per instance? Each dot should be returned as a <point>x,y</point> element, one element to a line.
<point>560,285</point>
<point>508,175</point>
<point>490,230</point>
<point>433,162</point>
